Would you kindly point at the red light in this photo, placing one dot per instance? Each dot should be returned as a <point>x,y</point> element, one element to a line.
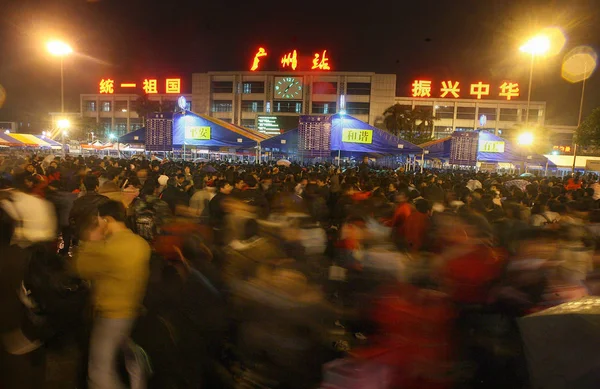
<point>260,53</point>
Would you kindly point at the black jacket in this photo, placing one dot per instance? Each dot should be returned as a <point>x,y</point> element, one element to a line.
<point>84,210</point>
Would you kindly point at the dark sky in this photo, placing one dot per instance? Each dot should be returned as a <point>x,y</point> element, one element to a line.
<point>467,40</point>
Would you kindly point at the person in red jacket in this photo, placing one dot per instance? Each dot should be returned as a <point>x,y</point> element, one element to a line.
<point>417,225</point>
<point>573,183</point>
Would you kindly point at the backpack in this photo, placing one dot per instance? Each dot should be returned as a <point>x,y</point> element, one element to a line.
<point>145,222</point>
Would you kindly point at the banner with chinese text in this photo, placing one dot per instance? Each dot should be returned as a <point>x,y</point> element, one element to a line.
<point>357,135</point>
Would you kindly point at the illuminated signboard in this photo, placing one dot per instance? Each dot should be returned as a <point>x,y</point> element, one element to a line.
<point>452,89</point>
<point>148,85</point>
<point>491,146</point>
<point>355,135</point>
<point>197,132</point>
<point>275,125</point>
<point>289,60</point>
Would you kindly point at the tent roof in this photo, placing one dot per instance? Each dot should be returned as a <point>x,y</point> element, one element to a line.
<point>382,143</point>
<point>6,139</point>
<point>286,142</point>
<point>137,136</point>
<point>440,148</point>
<point>222,134</point>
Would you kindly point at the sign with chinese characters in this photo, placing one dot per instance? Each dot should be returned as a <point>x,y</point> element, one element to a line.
<point>197,132</point>
<point>355,135</point>
<point>454,89</point>
<point>268,125</point>
<point>463,148</point>
<point>562,148</point>
<point>159,132</point>
<point>148,85</point>
<point>491,146</point>
<point>314,136</point>
<point>291,60</point>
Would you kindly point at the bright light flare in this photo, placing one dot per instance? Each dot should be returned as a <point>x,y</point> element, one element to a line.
<point>525,139</point>
<point>58,48</point>
<point>579,64</point>
<point>557,40</point>
<point>63,124</point>
<point>538,45</point>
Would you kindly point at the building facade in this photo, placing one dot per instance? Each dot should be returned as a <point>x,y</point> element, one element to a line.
<point>499,116</point>
<point>245,98</point>
<point>116,113</point>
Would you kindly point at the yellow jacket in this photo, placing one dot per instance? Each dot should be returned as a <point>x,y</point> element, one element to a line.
<point>118,269</point>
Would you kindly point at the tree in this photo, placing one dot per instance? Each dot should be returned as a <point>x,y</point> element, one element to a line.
<point>414,125</point>
<point>588,133</point>
<point>143,106</point>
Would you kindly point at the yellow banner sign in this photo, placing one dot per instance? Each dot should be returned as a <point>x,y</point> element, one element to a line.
<point>356,135</point>
<point>491,146</point>
<point>199,132</point>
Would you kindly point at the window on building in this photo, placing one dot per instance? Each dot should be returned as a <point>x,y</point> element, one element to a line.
<point>357,108</point>
<point>90,106</point>
<point>533,115</point>
<point>135,124</point>
<point>168,105</point>
<point>324,88</point>
<point>444,112</point>
<point>508,114</point>
<point>358,88</point>
<point>249,123</point>
<point>188,105</point>
<point>105,106</point>
<point>253,87</point>
<point>221,106</point>
<point>287,106</point>
<point>326,108</point>
<point>490,113</point>
<point>465,113</point>
<point>105,123</point>
<point>121,106</point>
<point>222,87</point>
<point>253,106</point>
<point>442,132</point>
<point>120,128</point>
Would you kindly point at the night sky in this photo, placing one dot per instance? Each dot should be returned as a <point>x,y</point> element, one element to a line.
<point>467,40</point>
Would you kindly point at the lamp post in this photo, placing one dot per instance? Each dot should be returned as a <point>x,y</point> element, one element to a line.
<point>61,50</point>
<point>63,125</point>
<point>538,45</point>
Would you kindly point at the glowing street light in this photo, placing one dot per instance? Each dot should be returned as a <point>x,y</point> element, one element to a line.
<point>64,125</point>
<point>538,45</point>
<point>60,49</point>
<point>525,139</point>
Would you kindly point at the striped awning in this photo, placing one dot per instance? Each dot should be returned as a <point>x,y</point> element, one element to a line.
<point>251,134</point>
<point>7,140</point>
<point>27,140</point>
<point>30,140</point>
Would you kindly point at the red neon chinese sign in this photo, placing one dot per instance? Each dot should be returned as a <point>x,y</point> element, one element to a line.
<point>260,53</point>
<point>148,85</point>
<point>290,60</point>
<point>452,89</point>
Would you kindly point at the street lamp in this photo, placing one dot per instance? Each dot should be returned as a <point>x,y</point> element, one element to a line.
<point>525,139</point>
<point>63,125</point>
<point>61,50</point>
<point>538,45</point>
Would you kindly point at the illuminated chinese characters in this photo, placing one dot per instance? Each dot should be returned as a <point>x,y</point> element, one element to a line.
<point>149,86</point>
<point>260,53</point>
<point>421,88</point>
<point>323,63</point>
<point>356,135</point>
<point>107,86</point>
<point>452,89</point>
<point>293,60</point>
<point>290,60</point>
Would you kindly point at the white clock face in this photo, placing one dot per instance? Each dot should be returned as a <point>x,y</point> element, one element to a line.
<point>288,88</point>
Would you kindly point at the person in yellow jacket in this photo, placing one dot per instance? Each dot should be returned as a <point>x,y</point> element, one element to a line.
<point>116,261</point>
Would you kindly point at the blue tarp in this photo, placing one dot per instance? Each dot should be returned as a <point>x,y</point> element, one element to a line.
<point>512,153</point>
<point>137,136</point>
<point>383,142</point>
<point>217,134</point>
<point>285,143</point>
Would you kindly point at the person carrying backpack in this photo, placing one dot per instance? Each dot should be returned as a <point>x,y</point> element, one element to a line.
<point>149,212</point>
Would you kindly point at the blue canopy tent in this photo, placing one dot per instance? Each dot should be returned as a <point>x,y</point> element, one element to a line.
<point>137,136</point>
<point>440,149</point>
<point>191,129</point>
<point>377,141</point>
<point>286,143</point>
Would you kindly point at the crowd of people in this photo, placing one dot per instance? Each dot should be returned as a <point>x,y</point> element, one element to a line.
<point>174,274</point>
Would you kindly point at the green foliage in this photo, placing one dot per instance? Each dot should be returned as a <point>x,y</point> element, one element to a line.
<point>588,133</point>
<point>414,125</point>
